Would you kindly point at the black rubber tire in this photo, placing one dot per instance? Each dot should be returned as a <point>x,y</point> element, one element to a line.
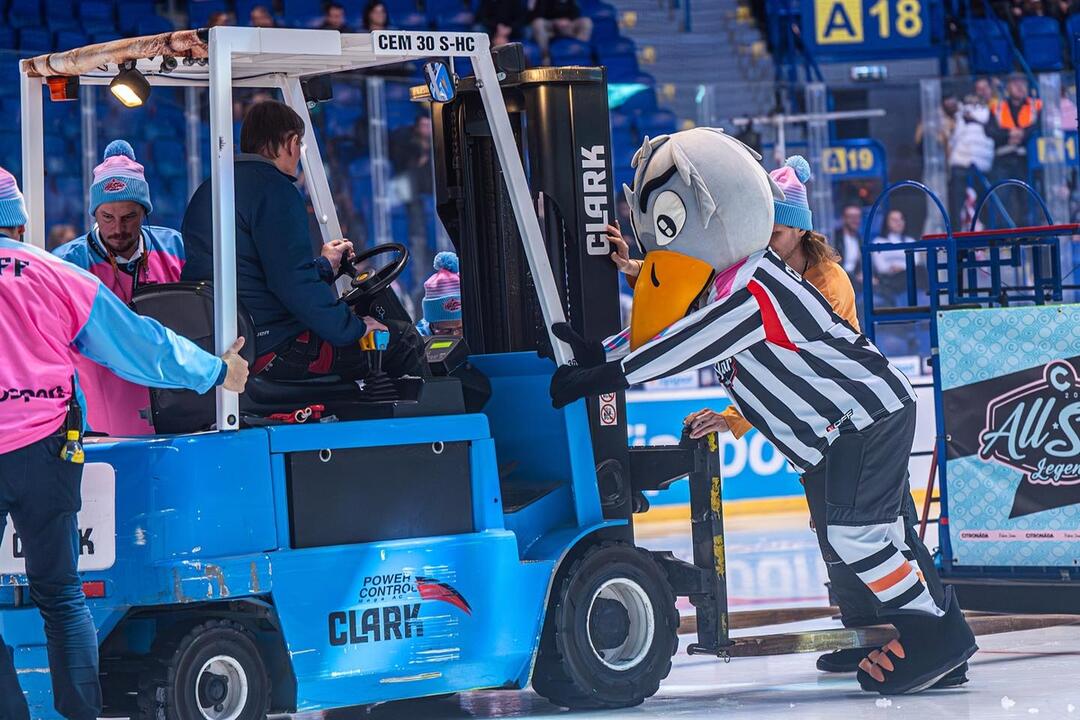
<point>167,688</point>
<point>568,671</point>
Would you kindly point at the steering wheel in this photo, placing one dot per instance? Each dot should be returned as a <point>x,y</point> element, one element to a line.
<point>366,284</point>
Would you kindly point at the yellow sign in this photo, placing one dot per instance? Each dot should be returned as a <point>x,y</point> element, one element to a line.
<point>841,160</point>
<point>838,22</point>
<point>1050,149</point>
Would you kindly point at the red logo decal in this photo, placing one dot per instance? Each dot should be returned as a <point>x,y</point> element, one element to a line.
<point>115,185</point>
<point>434,590</point>
<point>452,305</point>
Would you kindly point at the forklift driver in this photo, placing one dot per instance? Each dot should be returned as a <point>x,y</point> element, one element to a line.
<point>301,329</point>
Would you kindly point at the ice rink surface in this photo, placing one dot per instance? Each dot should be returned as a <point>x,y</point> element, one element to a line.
<point>774,562</point>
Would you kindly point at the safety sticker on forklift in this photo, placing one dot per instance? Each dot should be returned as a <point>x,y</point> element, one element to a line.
<point>97,525</point>
<point>417,43</point>
<point>609,410</point>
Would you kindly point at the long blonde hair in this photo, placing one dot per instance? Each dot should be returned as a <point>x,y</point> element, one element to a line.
<point>817,248</point>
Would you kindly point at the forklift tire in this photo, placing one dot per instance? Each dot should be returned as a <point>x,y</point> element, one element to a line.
<point>610,633</point>
<point>213,672</point>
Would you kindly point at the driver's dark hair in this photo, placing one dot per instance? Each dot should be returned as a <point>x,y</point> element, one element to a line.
<point>267,126</point>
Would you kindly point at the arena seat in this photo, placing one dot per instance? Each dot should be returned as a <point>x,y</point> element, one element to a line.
<point>567,51</point>
<point>991,51</point>
<point>23,14</point>
<point>68,39</point>
<point>97,17</point>
<point>199,11</point>
<point>7,38</point>
<point>36,39</point>
<point>302,13</point>
<point>1040,40</point>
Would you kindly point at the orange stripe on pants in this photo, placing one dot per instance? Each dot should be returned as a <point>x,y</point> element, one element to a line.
<point>886,582</point>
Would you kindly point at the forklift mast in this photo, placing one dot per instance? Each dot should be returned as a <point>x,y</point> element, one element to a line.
<point>560,121</point>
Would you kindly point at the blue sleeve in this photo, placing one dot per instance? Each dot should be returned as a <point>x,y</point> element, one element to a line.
<point>142,350</point>
<point>326,270</point>
<point>74,252</point>
<point>279,225</point>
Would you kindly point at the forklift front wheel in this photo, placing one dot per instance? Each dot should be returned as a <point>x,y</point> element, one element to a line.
<point>610,633</point>
<point>213,672</point>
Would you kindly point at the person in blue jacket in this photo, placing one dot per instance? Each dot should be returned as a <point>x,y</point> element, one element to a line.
<point>301,328</point>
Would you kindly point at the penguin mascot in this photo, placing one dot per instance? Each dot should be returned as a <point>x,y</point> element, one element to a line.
<point>710,292</point>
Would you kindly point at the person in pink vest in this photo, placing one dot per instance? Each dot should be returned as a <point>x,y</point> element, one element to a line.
<point>125,254</point>
<point>53,314</point>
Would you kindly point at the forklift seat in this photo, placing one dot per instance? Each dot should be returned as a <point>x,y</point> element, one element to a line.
<point>187,308</point>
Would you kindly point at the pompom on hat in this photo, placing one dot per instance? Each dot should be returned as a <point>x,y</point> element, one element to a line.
<point>793,210</point>
<point>442,291</point>
<point>12,207</point>
<point>118,178</point>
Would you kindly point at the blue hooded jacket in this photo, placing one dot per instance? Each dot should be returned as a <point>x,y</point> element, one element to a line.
<point>286,291</point>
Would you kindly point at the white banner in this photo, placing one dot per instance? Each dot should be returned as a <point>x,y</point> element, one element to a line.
<point>416,43</point>
<point>97,525</point>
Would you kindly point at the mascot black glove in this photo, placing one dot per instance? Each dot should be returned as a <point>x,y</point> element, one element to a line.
<point>588,353</point>
<point>571,382</point>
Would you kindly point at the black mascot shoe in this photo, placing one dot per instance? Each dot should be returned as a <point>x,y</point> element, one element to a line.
<point>847,661</point>
<point>928,649</point>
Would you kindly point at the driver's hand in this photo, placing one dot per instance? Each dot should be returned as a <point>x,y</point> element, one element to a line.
<point>621,255</point>
<point>373,324</point>
<point>334,250</point>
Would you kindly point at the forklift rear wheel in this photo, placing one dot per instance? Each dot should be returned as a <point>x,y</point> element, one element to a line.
<point>214,672</point>
<point>610,633</point>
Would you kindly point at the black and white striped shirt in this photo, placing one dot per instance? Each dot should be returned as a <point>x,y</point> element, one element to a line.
<point>795,370</point>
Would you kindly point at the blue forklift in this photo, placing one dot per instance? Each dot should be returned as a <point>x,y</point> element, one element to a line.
<point>429,535</point>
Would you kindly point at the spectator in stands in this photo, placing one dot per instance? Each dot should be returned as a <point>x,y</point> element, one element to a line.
<point>58,235</point>
<point>1068,110</point>
<point>220,18</point>
<point>410,155</point>
<point>847,241</point>
<point>1013,119</point>
<point>969,147</point>
<point>335,18</point>
<point>558,18</point>
<point>503,20</point>
<point>376,16</point>
<point>261,17</point>
<point>889,266</point>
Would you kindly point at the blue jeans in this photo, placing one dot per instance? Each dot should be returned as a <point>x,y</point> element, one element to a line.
<point>41,494</point>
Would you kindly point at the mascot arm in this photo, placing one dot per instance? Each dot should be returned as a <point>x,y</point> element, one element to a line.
<point>702,338</point>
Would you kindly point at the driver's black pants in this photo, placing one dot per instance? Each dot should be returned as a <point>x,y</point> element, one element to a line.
<point>308,355</point>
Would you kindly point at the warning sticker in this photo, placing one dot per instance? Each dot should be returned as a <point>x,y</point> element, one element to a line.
<point>609,410</point>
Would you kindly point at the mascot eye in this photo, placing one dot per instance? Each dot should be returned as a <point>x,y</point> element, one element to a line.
<point>669,215</point>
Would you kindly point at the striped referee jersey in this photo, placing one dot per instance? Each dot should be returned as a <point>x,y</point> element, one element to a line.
<point>796,370</point>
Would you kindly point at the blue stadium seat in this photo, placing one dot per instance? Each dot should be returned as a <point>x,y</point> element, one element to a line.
<point>1040,41</point>
<point>605,30</point>
<point>38,39</point>
<point>24,13</point>
<point>69,39</point>
<point>152,26</point>
<point>398,8</point>
<point>199,11</point>
<point>567,51</point>
<point>620,121</point>
<point>302,13</point>
<point>341,119</point>
<point>132,12</point>
<point>990,49</point>
<point>103,37</point>
<point>60,15</point>
<point>642,101</point>
<point>56,149</point>
<point>7,38</point>
<point>618,46</point>
<point>97,17</point>
<point>461,21</point>
<point>533,56</point>
<point>412,21</point>
<point>598,10</point>
<point>1072,27</point>
<point>463,67</point>
<point>438,8</point>
<point>360,168</point>
<point>620,68</point>
<point>658,122</point>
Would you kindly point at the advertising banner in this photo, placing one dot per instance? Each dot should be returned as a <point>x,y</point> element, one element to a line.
<point>1011,398</point>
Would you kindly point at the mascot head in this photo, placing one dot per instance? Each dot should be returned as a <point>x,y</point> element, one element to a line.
<point>701,202</point>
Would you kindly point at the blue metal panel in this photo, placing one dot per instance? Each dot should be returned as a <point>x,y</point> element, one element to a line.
<point>375,433</point>
<point>536,444</point>
<point>487,497</point>
<point>334,604</point>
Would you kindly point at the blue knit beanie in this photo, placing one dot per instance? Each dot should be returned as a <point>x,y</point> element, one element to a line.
<point>793,210</point>
<point>12,207</point>
<point>119,178</point>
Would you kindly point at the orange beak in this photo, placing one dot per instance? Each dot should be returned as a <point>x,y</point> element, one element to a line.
<point>667,286</point>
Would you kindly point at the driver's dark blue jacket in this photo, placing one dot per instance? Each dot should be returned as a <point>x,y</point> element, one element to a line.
<point>286,291</point>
